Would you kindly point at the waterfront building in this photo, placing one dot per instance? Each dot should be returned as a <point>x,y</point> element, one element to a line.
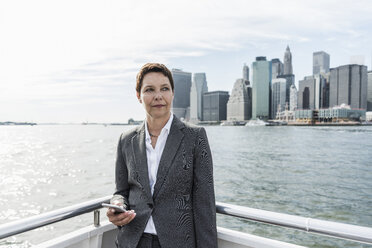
<point>293,98</point>
<point>369,94</point>
<point>286,115</point>
<point>278,96</point>
<point>261,82</point>
<point>276,68</point>
<point>369,116</point>
<point>304,115</point>
<point>239,106</point>
<point>341,115</point>
<point>320,62</point>
<point>336,114</point>
<point>215,105</point>
<point>348,85</point>
<point>288,62</point>
<point>182,88</point>
<point>198,88</point>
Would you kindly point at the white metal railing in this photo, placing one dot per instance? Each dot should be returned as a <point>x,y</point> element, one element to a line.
<point>329,228</point>
<point>30,223</point>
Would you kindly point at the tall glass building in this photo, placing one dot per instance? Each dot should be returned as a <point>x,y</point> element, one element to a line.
<point>261,84</point>
<point>306,93</point>
<point>276,68</point>
<point>320,62</point>
<point>278,96</point>
<point>182,88</point>
<point>348,85</point>
<point>215,105</point>
<point>369,94</point>
<point>198,88</point>
<point>313,92</point>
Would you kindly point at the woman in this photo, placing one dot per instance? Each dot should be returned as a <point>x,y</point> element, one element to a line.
<point>164,174</point>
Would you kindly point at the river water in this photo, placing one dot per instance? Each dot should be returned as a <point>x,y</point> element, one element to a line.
<point>316,172</point>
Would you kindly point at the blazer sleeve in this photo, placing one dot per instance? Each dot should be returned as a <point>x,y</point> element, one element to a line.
<point>204,206</point>
<point>121,177</point>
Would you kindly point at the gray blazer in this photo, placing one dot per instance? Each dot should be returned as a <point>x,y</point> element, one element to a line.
<point>183,203</point>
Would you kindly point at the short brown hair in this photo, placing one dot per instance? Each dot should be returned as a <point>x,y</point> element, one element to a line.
<point>153,67</point>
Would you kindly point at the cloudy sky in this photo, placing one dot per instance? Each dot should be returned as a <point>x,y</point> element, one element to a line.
<point>75,61</point>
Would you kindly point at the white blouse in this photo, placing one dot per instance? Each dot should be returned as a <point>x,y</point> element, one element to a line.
<point>153,160</point>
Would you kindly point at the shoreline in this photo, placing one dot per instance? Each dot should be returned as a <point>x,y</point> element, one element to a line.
<point>219,123</point>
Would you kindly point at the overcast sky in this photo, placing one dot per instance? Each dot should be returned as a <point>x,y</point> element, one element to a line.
<point>76,61</point>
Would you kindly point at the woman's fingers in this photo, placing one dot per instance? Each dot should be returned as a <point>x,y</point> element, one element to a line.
<point>122,218</point>
<point>127,219</point>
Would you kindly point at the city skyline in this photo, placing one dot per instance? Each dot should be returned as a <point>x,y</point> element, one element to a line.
<point>82,68</point>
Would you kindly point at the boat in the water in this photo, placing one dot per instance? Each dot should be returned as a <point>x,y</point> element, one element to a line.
<point>233,123</point>
<point>254,123</point>
<point>102,235</point>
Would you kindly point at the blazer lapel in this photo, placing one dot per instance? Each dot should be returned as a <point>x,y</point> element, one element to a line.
<point>140,159</point>
<point>171,146</point>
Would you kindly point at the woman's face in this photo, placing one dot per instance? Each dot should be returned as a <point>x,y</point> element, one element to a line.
<point>156,95</point>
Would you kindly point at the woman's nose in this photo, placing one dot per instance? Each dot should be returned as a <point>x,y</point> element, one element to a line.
<point>158,95</point>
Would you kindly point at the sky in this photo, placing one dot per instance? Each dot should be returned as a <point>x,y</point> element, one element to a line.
<point>76,61</point>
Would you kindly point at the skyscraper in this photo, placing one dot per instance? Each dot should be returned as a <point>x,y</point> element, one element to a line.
<point>182,87</point>
<point>287,74</point>
<point>320,62</point>
<point>261,82</point>
<point>276,68</point>
<point>239,106</point>
<point>290,80</point>
<point>306,93</point>
<point>293,98</point>
<point>194,103</point>
<point>320,84</point>
<point>278,96</point>
<point>313,92</point>
<point>214,105</point>
<point>198,88</point>
<point>288,62</point>
<point>369,95</point>
<point>348,85</point>
<point>246,72</point>
<point>324,90</point>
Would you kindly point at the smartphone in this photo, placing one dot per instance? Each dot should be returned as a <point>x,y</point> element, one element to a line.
<point>117,208</point>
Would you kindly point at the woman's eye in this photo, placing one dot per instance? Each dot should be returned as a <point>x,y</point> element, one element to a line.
<point>148,90</point>
<point>165,89</point>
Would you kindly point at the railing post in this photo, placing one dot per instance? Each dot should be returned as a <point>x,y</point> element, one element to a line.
<point>96,218</point>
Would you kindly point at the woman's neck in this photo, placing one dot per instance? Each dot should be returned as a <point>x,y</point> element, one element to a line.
<point>155,125</point>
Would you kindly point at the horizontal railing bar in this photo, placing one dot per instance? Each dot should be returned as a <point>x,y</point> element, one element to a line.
<point>333,229</point>
<point>329,228</point>
<point>33,222</point>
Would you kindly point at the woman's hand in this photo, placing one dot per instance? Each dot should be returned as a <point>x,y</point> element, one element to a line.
<point>120,219</point>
